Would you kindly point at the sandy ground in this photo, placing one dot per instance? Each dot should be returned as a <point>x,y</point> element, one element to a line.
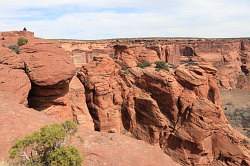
<point>236,104</point>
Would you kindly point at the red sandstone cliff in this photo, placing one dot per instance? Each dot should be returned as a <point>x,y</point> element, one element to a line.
<point>230,56</point>
<point>39,76</point>
<point>178,110</point>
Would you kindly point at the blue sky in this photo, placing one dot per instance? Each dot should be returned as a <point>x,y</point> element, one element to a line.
<point>98,19</point>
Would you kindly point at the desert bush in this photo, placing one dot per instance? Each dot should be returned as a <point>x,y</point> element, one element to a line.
<point>144,64</point>
<point>64,156</point>
<point>22,41</point>
<point>70,127</point>
<point>44,147</point>
<point>15,48</point>
<point>161,65</point>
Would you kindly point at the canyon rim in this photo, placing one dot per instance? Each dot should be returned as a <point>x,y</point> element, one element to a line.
<point>140,101</point>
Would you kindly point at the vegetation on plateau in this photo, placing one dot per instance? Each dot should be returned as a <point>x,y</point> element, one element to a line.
<point>20,42</point>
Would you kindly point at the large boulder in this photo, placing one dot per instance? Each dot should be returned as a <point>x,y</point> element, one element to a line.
<point>50,71</point>
<point>47,63</point>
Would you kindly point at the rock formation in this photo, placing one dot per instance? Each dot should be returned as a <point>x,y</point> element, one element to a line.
<point>39,76</point>
<point>230,56</point>
<point>179,109</point>
<point>176,108</point>
<point>17,121</point>
<point>98,149</point>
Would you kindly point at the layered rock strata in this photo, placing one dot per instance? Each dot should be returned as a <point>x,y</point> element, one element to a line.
<point>230,56</point>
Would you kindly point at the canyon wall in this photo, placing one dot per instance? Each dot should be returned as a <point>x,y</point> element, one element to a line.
<point>230,56</point>
<point>178,109</point>
<point>98,84</point>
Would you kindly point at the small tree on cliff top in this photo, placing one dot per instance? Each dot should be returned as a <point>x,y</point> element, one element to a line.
<point>22,41</point>
<point>46,147</point>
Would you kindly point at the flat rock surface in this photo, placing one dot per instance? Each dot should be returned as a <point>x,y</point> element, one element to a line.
<point>110,149</point>
<point>16,121</point>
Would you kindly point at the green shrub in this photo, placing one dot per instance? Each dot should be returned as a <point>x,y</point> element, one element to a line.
<point>41,147</point>
<point>70,127</point>
<point>161,65</point>
<point>64,156</point>
<point>15,48</point>
<point>144,64</point>
<point>22,41</point>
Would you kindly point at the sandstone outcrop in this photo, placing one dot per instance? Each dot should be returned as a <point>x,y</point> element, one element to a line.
<point>39,76</point>
<point>130,57</point>
<point>11,37</point>
<point>179,109</point>
<point>16,82</point>
<point>47,63</point>
<point>11,59</point>
<point>103,95</point>
<point>13,79</point>
<point>230,56</point>
<point>78,104</point>
<point>98,149</point>
<point>50,72</point>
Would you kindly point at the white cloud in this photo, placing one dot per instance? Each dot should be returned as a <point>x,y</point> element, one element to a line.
<point>198,18</point>
<point>46,3</point>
